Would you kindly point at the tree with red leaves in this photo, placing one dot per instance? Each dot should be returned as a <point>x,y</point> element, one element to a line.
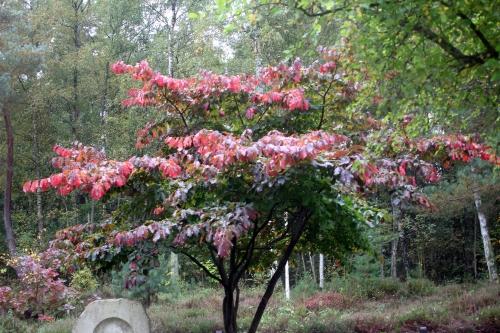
<point>247,169</point>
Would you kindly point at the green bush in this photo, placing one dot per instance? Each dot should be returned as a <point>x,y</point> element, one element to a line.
<point>146,289</point>
<point>305,287</point>
<point>84,281</point>
<point>420,287</point>
<point>379,288</point>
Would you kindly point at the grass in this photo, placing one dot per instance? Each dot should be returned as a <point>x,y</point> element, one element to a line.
<point>351,305</point>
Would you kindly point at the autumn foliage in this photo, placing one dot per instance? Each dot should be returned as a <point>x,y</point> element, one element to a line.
<point>228,147</point>
<point>204,155</point>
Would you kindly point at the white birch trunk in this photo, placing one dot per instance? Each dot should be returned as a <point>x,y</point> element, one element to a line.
<point>321,271</point>
<point>488,249</point>
<point>287,282</point>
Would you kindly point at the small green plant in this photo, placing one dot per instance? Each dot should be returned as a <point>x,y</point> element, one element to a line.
<point>136,283</point>
<point>376,288</point>
<point>84,281</point>
<point>420,287</point>
<point>305,287</point>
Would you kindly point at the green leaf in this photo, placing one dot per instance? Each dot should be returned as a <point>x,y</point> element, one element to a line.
<point>193,16</point>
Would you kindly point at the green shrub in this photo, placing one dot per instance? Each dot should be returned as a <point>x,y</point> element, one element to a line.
<point>144,288</point>
<point>305,287</point>
<point>84,281</point>
<point>374,288</point>
<point>420,287</point>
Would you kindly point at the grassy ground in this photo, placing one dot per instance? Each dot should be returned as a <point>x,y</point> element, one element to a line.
<point>345,306</point>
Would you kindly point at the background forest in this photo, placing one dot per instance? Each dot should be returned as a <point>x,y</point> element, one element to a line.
<point>430,65</point>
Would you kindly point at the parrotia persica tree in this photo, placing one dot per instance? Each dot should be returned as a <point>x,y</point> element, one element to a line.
<point>243,172</point>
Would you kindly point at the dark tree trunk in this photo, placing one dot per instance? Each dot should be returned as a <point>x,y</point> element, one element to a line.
<point>7,216</point>
<point>406,259</point>
<point>474,254</point>
<point>299,225</point>
<point>36,158</point>
<point>396,227</point>
<point>230,308</point>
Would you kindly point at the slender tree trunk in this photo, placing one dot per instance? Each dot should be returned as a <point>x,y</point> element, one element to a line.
<point>313,269</point>
<point>396,225</point>
<point>104,108</point>
<point>382,262</point>
<point>299,226</point>
<point>287,282</point>
<point>75,107</point>
<point>474,245</point>
<point>36,158</point>
<point>406,260</point>
<point>303,264</point>
<point>7,199</point>
<point>321,270</point>
<point>488,249</point>
<point>174,257</point>
<point>170,39</point>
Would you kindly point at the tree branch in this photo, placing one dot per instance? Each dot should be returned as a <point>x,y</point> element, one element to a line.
<point>199,264</point>
<point>445,45</point>
<point>491,51</point>
<point>321,11</point>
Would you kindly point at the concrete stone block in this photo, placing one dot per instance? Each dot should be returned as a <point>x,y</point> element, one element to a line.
<point>113,316</point>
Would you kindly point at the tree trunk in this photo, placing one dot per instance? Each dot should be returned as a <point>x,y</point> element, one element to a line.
<point>299,224</point>
<point>36,158</point>
<point>382,262</point>
<point>104,108</point>
<point>174,257</point>
<point>303,264</point>
<point>313,269</point>
<point>321,271</point>
<point>230,308</point>
<point>7,216</point>
<point>474,255</point>
<point>170,39</point>
<point>406,260</point>
<point>488,249</point>
<point>287,282</point>
<point>75,107</point>
<point>396,227</point>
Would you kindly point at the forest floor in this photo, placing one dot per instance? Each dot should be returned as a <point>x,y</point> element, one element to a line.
<point>370,306</point>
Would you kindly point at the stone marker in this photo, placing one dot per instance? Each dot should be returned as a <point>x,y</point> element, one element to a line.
<point>113,316</point>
